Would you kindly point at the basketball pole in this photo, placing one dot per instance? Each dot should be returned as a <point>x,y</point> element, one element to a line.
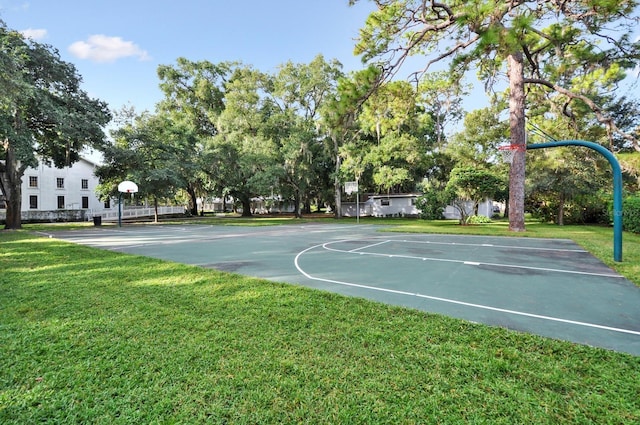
<point>120,210</point>
<point>357,202</point>
<point>617,186</point>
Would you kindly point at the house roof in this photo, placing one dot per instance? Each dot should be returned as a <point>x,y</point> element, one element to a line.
<point>396,195</point>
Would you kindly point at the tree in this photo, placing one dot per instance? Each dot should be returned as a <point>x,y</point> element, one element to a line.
<point>442,99</point>
<point>339,120</point>
<point>194,100</point>
<point>431,204</point>
<point>626,113</point>
<point>470,185</point>
<point>146,152</point>
<point>194,92</point>
<point>390,151</point>
<point>44,114</point>
<point>555,45</point>
<point>477,143</point>
<point>244,157</point>
<point>299,91</point>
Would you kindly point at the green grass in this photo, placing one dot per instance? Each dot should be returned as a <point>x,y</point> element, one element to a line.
<point>90,336</point>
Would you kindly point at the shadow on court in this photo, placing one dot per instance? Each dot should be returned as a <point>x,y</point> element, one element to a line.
<point>548,287</point>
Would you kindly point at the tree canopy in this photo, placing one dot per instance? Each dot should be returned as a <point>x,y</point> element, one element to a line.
<point>566,51</point>
<point>44,114</point>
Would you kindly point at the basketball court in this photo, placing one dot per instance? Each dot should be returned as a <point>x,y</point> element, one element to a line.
<point>549,287</point>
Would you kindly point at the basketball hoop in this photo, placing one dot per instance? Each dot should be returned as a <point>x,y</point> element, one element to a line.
<point>350,187</point>
<point>508,152</point>
<point>127,187</point>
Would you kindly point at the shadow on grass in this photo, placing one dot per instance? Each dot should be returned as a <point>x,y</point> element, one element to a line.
<point>96,336</point>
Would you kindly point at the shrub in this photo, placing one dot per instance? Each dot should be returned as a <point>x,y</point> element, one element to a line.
<point>478,219</point>
<point>540,209</point>
<point>631,214</point>
<point>430,205</point>
<point>582,209</point>
<point>588,209</point>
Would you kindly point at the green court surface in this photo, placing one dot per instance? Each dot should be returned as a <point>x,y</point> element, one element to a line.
<point>549,287</point>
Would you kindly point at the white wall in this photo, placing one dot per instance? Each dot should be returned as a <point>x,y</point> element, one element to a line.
<point>484,208</point>
<point>47,191</point>
<point>403,206</point>
<point>398,206</point>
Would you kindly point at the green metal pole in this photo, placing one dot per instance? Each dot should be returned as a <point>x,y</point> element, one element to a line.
<point>617,186</point>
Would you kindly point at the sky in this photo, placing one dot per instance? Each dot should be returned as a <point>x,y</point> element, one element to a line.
<point>117,45</point>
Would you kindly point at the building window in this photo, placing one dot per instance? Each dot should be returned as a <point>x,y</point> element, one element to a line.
<point>33,202</point>
<point>413,201</point>
<point>60,202</point>
<point>85,183</point>
<point>107,203</point>
<point>85,202</point>
<point>33,181</point>
<point>60,183</point>
<point>385,202</point>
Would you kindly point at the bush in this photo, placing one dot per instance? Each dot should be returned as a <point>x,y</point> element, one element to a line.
<point>631,214</point>
<point>540,209</point>
<point>588,209</point>
<point>582,209</point>
<point>478,219</point>
<point>430,206</point>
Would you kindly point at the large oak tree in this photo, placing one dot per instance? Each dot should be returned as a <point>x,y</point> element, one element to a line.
<point>44,114</point>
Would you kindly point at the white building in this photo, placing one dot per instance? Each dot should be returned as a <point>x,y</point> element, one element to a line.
<point>48,188</point>
<point>404,205</point>
<point>69,194</point>
<point>395,205</point>
<point>53,194</point>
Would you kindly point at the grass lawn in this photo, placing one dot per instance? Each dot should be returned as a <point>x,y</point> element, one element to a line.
<point>90,336</point>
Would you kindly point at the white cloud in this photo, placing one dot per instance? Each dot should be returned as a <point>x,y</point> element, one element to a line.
<point>34,34</point>
<point>101,48</point>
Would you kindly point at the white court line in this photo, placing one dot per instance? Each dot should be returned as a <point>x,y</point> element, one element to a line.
<point>474,263</point>
<point>447,300</point>
<point>492,246</point>
<point>369,246</point>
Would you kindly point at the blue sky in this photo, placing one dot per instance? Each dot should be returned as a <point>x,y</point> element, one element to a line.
<point>117,45</point>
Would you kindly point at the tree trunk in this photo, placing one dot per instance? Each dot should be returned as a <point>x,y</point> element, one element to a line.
<point>337,185</point>
<point>560,218</point>
<point>517,130</point>
<point>11,184</point>
<point>506,209</point>
<point>155,209</point>
<point>193,204</point>
<point>246,206</point>
<point>307,207</point>
<point>296,200</point>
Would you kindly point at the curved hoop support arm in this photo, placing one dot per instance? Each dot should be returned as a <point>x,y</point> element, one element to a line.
<point>617,186</point>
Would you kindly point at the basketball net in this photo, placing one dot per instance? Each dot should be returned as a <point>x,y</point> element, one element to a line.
<point>508,152</point>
